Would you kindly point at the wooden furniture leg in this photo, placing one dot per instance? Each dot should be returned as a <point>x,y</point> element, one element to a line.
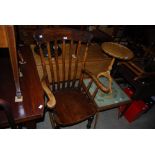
<point>96,119</point>
<point>90,120</point>
<point>31,124</point>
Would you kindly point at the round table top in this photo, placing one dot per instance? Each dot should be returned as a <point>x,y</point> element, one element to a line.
<point>117,50</point>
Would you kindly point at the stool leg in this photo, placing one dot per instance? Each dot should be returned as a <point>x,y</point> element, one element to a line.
<point>96,119</point>
<point>119,113</point>
<point>124,111</point>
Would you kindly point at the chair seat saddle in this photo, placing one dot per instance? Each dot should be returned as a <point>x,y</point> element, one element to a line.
<point>73,103</point>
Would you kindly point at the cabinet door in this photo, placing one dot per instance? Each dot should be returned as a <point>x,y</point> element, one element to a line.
<point>3,37</point>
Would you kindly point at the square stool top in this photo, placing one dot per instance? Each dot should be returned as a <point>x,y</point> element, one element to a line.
<point>105,101</point>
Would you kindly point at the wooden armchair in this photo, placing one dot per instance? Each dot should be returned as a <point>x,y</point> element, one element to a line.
<point>68,99</point>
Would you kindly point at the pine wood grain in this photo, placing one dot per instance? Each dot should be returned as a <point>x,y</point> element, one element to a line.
<point>97,61</point>
<point>3,37</point>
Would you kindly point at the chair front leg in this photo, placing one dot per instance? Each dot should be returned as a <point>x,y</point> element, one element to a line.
<point>90,120</point>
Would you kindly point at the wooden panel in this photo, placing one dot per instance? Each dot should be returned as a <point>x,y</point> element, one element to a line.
<point>3,37</point>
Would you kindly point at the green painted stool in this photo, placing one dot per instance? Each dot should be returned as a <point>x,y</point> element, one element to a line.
<point>106,101</point>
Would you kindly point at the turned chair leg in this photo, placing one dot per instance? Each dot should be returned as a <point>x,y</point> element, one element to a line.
<point>90,120</point>
<point>54,126</point>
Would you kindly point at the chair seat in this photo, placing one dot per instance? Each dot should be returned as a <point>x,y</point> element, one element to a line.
<point>72,106</point>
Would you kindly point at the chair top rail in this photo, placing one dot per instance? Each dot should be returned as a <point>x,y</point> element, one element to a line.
<point>51,34</point>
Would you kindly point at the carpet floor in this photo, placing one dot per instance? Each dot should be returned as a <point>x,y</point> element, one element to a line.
<point>109,120</point>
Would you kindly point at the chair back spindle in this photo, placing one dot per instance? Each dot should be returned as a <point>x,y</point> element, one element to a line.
<point>64,69</point>
<point>70,64</point>
<point>51,66</point>
<point>57,64</point>
<point>76,63</point>
<point>83,64</point>
<point>63,62</point>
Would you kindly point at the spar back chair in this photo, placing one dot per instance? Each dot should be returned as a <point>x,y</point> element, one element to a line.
<point>68,99</point>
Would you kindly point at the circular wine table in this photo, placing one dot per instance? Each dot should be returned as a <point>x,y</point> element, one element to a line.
<point>116,51</point>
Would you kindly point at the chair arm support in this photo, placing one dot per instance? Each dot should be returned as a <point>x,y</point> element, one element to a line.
<point>52,102</point>
<point>96,81</point>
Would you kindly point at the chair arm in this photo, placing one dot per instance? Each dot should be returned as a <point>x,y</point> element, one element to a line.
<point>149,76</point>
<point>134,68</point>
<point>96,81</point>
<point>52,102</point>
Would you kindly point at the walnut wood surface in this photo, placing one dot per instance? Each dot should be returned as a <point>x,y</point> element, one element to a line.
<point>28,110</point>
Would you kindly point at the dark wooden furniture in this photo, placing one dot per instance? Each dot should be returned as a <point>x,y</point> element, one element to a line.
<point>8,41</point>
<point>143,83</point>
<point>68,101</point>
<point>5,106</point>
<point>32,107</point>
<point>25,32</point>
